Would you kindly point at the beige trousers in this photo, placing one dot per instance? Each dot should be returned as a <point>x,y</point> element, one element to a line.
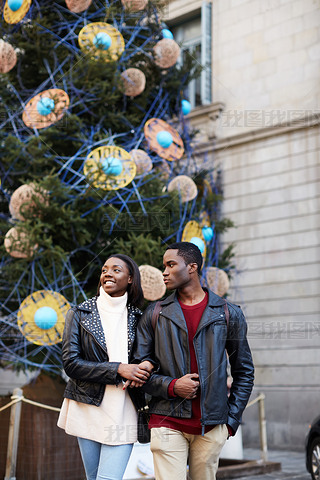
<point>171,450</point>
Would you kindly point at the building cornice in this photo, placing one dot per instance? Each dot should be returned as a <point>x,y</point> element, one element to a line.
<point>215,143</point>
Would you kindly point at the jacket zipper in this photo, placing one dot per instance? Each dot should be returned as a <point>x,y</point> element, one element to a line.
<point>189,361</point>
<point>201,397</point>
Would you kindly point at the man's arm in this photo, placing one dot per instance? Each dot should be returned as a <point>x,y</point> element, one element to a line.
<point>144,349</point>
<point>242,369</point>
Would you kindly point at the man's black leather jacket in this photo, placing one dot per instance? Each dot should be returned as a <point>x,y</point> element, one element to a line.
<point>166,345</point>
<point>85,357</point>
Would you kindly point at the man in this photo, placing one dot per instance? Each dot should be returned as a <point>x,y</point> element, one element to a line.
<point>192,415</point>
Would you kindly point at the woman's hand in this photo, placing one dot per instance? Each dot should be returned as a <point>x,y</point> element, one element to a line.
<point>147,367</point>
<point>134,372</point>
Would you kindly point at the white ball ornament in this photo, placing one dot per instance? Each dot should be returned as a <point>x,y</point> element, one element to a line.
<point>217,280</point>
<point>166,53</point>
<point>134,82</point>
<point>134,5</point>
<point>8,57</point>
<point>78,6</point>
<point>142,160</point>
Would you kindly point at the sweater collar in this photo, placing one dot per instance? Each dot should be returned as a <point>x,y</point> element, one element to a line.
<point>115,303</point>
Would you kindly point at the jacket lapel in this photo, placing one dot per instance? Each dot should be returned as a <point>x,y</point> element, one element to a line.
<point>133,316</point>
<point>211,313</point>
<point>170,308</point>
<point>91,321</point>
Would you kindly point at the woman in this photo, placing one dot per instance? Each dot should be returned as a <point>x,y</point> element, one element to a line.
<point>97,344</point>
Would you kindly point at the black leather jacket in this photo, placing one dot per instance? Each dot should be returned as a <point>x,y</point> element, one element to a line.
<point>166,345</point>
<point>85,357</point>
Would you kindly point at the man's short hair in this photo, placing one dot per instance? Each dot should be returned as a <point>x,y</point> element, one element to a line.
<point>189,252</point>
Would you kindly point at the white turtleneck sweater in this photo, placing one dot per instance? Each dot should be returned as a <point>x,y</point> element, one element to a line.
<point>114,422</point>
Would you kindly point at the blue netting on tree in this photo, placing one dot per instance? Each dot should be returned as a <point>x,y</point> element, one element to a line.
<point>140,39</point>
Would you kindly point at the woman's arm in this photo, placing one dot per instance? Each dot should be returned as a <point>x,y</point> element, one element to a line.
<point>77,367</point>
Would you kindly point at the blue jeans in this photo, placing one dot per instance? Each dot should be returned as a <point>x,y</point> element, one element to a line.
<point>104,462</point>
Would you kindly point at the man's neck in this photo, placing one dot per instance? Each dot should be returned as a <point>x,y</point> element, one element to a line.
<point>191,295</point>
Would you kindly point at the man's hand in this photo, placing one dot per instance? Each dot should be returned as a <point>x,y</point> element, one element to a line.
<point>187,386</point>
<point>147,366</point>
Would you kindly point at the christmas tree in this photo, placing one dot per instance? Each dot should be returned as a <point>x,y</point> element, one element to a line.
<point>97,157</point>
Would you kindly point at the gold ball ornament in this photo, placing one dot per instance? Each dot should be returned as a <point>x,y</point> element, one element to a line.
<point>78,6</point>
<point>134,5</point>
<point>156,126</point>
<point>166,53</point>
<point>142,160</point>
<point>204,219</point>
<point>134,82</point>
<point>217,280</point>
<point>8,57</point>
<point>27,320</point>
<point>93,168</point>
<point>204,187</point>
<point>88,35</point>
<point>34,119</point>
<point>191,230</point>
<point>17,244</point>
<point>22,200</point>
<point>15,16</point>
<point>184,186</point>
<point>152,282</point>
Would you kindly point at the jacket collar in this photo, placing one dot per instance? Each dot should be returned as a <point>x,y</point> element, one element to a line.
<point>213,301</point>
<point>92,322</point>
<point>91,304</point>
<point>170,308</point>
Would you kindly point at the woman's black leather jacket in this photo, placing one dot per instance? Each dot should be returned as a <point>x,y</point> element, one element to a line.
<point>166,345</point>
<point>85,357</point>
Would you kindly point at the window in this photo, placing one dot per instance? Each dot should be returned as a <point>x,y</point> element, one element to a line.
<point>195,35</point>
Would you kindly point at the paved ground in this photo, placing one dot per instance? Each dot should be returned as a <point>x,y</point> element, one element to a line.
<point>293,465</point>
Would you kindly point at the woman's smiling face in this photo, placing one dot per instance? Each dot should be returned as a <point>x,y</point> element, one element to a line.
<point>115,277</point>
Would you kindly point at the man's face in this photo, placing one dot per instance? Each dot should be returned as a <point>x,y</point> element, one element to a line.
<point>176,273</point>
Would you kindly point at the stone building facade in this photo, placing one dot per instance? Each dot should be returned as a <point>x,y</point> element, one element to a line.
<point>260,123</point>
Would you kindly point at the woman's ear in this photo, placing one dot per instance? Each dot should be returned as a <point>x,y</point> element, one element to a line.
<point>129,279</point>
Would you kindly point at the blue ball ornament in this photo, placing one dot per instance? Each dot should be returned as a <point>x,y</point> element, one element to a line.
<point>166,33</point>
<point>45,318</point>
<point>164,139</point>
<point>186,107</point>
<point>102,40</point>
<point>199,242</point>
<point>14,5</point>
<point>112,166</point>
<point>45,106</point>
<point>207,233</point>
